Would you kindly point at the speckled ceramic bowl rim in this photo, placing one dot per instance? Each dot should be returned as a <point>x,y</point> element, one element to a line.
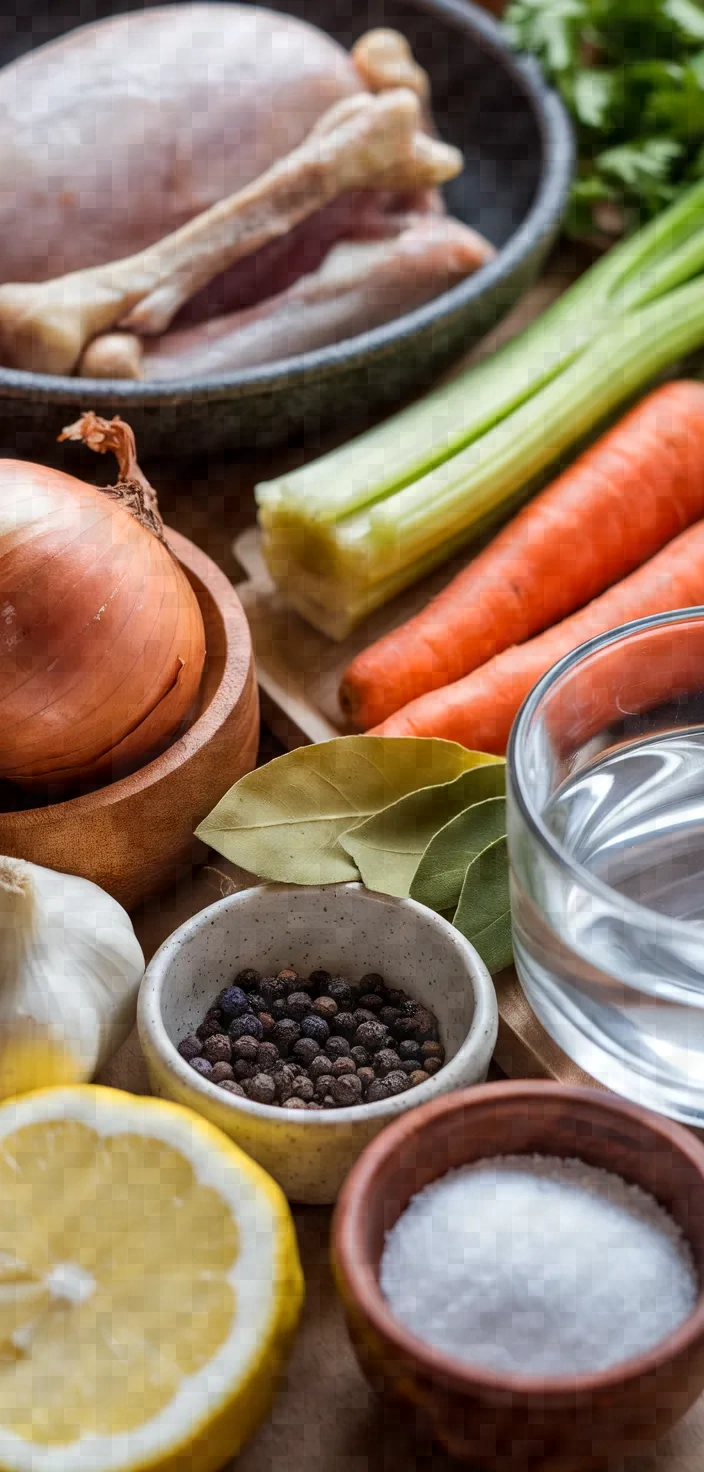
<point>540,221</point>
<point>362,1282</point>
<point>484,1021</point>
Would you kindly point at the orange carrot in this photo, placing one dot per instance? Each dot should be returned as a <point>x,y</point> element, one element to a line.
<point>479,710</point>
<point>620,502</point>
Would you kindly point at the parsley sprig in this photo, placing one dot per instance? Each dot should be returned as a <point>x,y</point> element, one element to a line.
<point>632,75</point>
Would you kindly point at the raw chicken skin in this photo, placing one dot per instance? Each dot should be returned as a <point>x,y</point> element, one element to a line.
<point>112,137</point>
<point>360,285</point>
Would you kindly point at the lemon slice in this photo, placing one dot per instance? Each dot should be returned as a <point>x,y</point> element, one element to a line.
<point>149,1286</point>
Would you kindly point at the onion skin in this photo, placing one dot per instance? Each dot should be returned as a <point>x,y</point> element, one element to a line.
<point>102,643</point>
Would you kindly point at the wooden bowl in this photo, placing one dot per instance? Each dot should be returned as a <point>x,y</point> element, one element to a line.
<point>135,836</point>
<point>503,1421</point>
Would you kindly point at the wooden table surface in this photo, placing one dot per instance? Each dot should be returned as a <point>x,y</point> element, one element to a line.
<point>325,1418</point>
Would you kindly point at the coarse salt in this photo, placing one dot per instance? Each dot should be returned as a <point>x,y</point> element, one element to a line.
<point>537,1266</point>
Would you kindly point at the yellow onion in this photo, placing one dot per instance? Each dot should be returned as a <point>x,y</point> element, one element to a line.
<point>102,643</point>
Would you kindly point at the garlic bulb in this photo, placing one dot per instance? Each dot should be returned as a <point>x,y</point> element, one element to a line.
<point>70,967</point>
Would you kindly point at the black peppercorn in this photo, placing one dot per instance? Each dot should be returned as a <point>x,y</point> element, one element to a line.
<point>247,1026</point>
<point>243,1069</point>
<point>247,979</point>
<point>268,1024</point>
<point>409,1048</point>
<point>362,1014</point>
<point>425,1025</point>
<point>295,1103</point>
<point>340,991</point>
<point>234,1002</point>
<point>396,1081</point>
<point>337,1048</point>
<point>389,1015</point>
<point>323,1085</point>
<point>267,1057</point>
<point>386,1060</point>
<point>347,1090</point>
<point>432,1065</point>
<point>371,1035</point>
<point>408,1007</point>
<point>345,1025</point>
<point>318,980</point>
<point>360,1056</point>
<point>366,1077</point>
<point>257,1002</point>
<point>261,1088</point>
<point>304,1089</point>
<point>341,1066</point>
<point>289,979</point>
<point>409,1065</point>
<point>246,1047</point>
<point>217,1049</point>
<point>284,1079</point>
<point>326,1008</point>
<point>209,1027</point>
<point>372,982</point>
<point>221,1073</point>
<point>372,1002</point>
<point>272,990</point>
<point>190,1047</point>
<point>286,1033</point>
<point>404,1028</point>
<point>316,1028</point>
<point>202,1066</point>
<point>319,1067</point>
<point>278,1009</point>
<point>419,1076</point>
<point>305,1050</point>
<point>378,1090</point>
<point>329,1102</point>
<point>395,998</point>
<point>433,1050</point>
<point>233,1088</point>
<point>298,1004</point>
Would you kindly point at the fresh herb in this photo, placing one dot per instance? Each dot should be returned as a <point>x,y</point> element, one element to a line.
<point>632,75</point>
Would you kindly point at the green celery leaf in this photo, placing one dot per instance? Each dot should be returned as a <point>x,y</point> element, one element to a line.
<point>283,821</point>
<point>483,914</point>
<point>549,31</point>
<point>680,107</point>
<point>439,877</point>
<point>387,848</point>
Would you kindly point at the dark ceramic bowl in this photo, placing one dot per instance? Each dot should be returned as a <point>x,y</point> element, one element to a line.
<point>517,144</point>
<point>498,1421</point>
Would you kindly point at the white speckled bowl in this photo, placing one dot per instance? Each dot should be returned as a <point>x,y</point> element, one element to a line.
<point>348,931</point>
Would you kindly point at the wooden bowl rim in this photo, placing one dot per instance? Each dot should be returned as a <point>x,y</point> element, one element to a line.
<point>361,1283</point>
<point>237,666</point>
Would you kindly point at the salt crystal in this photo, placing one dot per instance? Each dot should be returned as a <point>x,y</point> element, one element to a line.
<point>538,1266</point>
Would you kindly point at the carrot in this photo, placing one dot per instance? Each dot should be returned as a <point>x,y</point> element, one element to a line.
<point>478,711</point>
<point>621,501</point>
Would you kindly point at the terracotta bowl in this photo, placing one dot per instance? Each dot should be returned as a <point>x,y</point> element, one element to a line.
<point>349,931</point>
<point>518,1423</point>
<point>134,837</point>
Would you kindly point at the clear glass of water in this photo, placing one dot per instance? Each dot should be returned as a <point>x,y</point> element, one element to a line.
<point>606,839</point>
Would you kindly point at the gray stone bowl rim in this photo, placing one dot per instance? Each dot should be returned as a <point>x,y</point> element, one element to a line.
<point>546,209</point>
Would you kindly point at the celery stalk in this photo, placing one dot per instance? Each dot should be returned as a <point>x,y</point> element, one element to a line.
<point>412,444</point>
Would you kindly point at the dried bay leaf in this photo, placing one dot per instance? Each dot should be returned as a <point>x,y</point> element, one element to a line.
<point>283,821</point>
<point>439,877</point>
<point>483,914</point>
<point>387,847</point>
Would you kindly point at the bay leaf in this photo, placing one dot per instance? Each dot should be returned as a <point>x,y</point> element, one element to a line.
<point>483,914</point>
<point>283,821</point>
<point>439,877</point>
<point>387,847</point>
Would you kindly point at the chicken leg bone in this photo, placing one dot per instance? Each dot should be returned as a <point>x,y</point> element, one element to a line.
<point>361,143</point>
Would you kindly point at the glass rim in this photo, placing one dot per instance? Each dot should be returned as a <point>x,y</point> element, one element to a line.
<point>520,787</point>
